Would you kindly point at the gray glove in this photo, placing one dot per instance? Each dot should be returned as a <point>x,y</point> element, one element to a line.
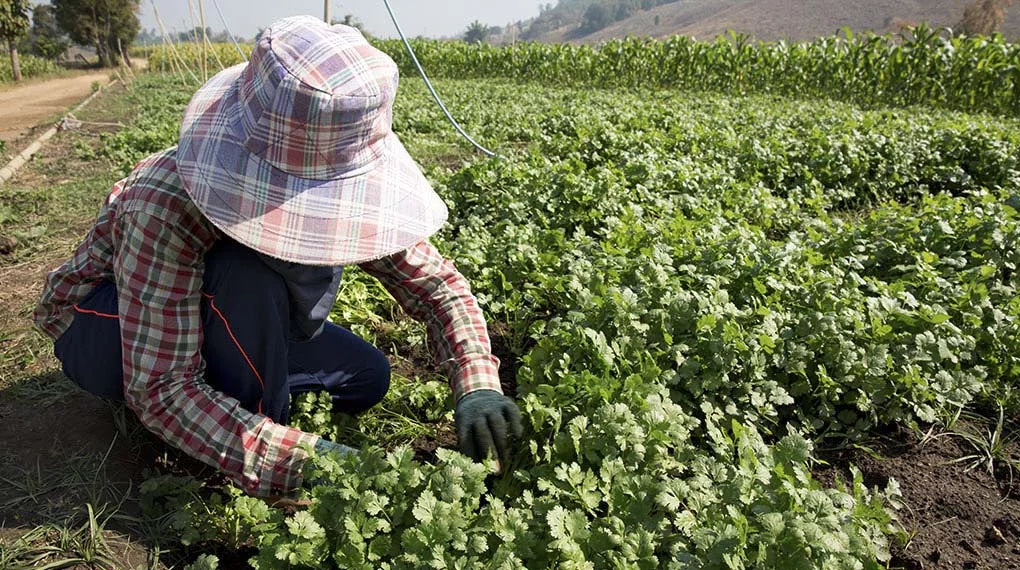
<point>484,419</point>
<point>325,447</point>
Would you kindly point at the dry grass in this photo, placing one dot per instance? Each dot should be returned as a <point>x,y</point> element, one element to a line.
<point>68,470</point>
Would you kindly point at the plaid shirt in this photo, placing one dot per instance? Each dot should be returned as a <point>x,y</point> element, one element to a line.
<point>150,239</point>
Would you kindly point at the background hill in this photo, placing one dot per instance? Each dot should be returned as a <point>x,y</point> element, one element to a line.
<point>572,20</point>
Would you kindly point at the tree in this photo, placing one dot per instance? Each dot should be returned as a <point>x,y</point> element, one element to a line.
<point>194,35</point>
<point>352,21</point>
<point>623,11</point>
<point>148,37</point>
<point>108,25</point>
<point>983,17</point>
<point>13,25</point>
<point>45,38</point>
<point>476,33</point>
<point>596,17</point>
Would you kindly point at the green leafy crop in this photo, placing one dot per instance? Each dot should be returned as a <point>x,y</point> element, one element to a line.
<point>693,289</point>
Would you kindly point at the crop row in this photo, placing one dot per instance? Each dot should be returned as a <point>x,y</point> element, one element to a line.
<point>920,66</point>
<point>696,288</point>
<point>31,66</point>
<point>185,59</point>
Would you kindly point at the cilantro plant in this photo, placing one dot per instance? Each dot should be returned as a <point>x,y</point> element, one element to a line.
<point>694,290</point>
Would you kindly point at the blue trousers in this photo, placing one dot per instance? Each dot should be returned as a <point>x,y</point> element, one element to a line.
<point>248,355</point>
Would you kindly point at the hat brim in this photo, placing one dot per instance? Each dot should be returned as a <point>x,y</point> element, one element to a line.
<point>381,209</point>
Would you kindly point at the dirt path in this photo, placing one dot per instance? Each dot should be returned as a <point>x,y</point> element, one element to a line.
<point>25,106</point>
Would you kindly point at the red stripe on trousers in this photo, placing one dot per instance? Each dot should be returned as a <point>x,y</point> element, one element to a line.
<point>96,313</point>
<point>212,305</point>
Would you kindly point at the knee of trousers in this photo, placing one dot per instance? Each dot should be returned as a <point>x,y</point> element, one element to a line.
<point>377,378</point>
<point>89,351</point>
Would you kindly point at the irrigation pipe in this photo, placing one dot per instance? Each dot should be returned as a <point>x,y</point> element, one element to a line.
<point>428,84</point>
<point>227,28</point>
<point>18,161</point>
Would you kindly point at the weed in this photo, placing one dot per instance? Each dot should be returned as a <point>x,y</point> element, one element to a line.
<point>994,448</point>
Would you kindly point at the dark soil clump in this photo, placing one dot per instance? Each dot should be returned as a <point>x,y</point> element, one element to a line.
<point>425,447</point>
<point>510,362</point>
<point>957,516</point>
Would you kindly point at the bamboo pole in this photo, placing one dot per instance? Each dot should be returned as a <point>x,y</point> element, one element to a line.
<point>205,41</point>
<point>194,36</point>
<point>173,47</point>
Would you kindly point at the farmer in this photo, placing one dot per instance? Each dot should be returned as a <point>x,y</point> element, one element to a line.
<point>200,295</point>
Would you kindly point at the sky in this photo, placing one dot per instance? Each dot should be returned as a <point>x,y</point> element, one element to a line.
<point>432,18</point>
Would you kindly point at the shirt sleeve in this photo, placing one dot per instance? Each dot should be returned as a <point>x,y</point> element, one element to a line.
<point>158,269</point>
<point>72,281</point>
<point>64,287</point>
<point>430,289</point>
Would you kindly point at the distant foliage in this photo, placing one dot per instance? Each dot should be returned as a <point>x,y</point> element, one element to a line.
<point>100,24</point>
<point>45,39</point>
<point>596,17</point>
<point>984,17</point>
<point>31,66</point>
<point>13,25</point>
<point>13,19</point>
<point>920,66</point>
<point>353,21</point>
<point>476,33</point>
<point>586,16</point>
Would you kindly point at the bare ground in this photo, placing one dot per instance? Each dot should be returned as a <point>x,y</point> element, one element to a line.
<point>25,106</point>
<point>67,459</point>
<point>957,514</point>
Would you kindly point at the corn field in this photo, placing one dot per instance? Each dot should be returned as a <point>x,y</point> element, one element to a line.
<point>184,56</point>
<point>31,66</point>
<point>921,66</point>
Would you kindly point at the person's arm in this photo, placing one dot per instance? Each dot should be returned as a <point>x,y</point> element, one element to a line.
<point>430,289</point>
<point>158,270</point>
<point>75,278</point>
<point>65,286</point>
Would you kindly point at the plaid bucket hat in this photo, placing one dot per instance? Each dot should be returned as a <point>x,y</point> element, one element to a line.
<point>292,154</point>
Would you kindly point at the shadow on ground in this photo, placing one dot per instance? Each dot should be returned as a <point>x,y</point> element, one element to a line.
<point>70,469</point>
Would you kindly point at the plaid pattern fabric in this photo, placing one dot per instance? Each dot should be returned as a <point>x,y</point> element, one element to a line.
<point>430,289</point>
<point>150,239</point>
<point>293,154</point>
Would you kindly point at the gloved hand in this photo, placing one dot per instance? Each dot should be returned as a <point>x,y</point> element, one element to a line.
<point>324,447</point>
<point>484,419</point>
<point>321,447</point>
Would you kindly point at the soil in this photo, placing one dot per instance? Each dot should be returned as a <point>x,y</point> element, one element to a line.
<point>509,363</point>
<point>60,449</point>
<point>412,361</point>
<point>53,439</point>
<point>425,447</point>
<point>957,516</point>
<point>63,454</point>
<point>25,106</point>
